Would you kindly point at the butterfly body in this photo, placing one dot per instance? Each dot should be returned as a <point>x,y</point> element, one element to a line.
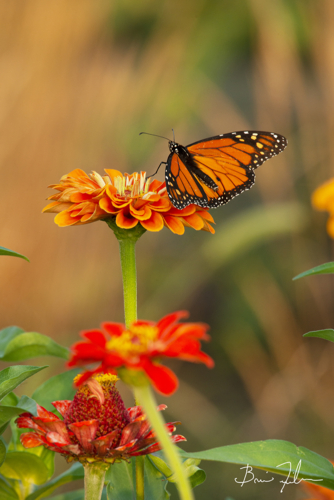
<point>211,172</point>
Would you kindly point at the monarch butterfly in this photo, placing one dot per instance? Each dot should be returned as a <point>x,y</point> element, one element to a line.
<point>211,172</point>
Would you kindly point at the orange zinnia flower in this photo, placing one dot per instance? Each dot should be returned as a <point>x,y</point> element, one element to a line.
<point>139,349</point>
<point>323,199</point>
<point>96,426</point>
<point>129,199</point>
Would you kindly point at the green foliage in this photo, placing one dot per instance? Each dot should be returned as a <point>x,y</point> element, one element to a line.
<point>7,491</point>
<point>17,345</point>
<point>13,376</point>
<point>6,251</point>
<point>60,386</point>
<point>196,475</point>
<point>321,334</point>
<point>268,455</point>
<point>2,452</point>
<point>76,495</point>
<point>71,495</point>
<point>74,473</point>
<point>327,268</point>
<point>8,412</point>
<point>25,467</point>
<point>121,481</point>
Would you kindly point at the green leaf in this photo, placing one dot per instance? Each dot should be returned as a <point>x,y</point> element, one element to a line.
<point>56,388</point>
<point>30,345</point>
<point>7,492</point>
<point>71,495</point>
<point>74,473</point>
<point>76,495</point>
<point>13,376</point>
<point>25,467</point>
<point>8,412</point>
<point>269,455</point>
<point>121,481</point>
<point>327,268</point>
<point>321,334</point>
<point>6,251</point>
<point>196,475</point>
<point>10,400</point>
<point>2,452</point>
<point>6,335</point>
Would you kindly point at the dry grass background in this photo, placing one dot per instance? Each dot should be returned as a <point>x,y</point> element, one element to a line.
<point>79,81</point>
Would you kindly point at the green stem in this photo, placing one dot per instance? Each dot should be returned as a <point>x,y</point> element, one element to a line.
<point>140,490</point>
<point>94,480</point>
<point>146,398</point>
<point>129,274</point>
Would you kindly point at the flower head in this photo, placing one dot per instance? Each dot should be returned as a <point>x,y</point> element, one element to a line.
<point>140,348</point>
<point>323,199</point>
<point>95,426</point>
<point>129,199</point>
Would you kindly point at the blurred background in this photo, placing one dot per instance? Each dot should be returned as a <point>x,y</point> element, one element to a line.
<point>79,81</point>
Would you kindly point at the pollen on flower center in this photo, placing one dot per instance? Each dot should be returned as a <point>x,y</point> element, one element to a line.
<point>132,186</point>
<point>134,341</point>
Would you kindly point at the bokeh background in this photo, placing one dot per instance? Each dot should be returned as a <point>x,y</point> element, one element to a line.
<point>79,81</point>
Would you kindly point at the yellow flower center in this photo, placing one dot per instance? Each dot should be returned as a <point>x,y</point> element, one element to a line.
<point>134,341</point>
<point>132,186</point>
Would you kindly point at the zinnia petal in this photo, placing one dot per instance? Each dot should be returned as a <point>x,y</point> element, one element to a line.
<point>174,224</point>
<point>163,379</point>
<point>154,223</point>
<point>125,221</point>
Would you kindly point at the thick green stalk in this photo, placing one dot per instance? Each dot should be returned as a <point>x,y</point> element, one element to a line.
<point>94,480</point>
<point>129,274</point>
<point>146,398</point>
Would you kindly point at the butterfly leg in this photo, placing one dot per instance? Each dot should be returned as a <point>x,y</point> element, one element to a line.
<point>162,163</point>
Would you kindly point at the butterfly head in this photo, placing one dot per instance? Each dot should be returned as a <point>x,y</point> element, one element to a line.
<point>174,147</point>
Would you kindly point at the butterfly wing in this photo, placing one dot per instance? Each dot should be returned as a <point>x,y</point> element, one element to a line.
<point>227,160</point>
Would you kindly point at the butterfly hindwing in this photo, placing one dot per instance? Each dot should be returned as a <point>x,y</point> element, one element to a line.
<point>212,171</point>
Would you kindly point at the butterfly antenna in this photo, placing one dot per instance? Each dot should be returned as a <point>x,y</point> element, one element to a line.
<point>173,135</point>
<point>155,135</point>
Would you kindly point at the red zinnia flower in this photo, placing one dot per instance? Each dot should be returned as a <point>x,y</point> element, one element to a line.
<point>140,347</point>
<point>129,199</point>
<point>95,425</point>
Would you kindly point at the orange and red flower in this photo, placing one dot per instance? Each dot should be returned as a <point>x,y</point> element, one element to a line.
<point>95,426</point>
<point>140,348</point>
<point>130,199</point>
<point>323,199</point>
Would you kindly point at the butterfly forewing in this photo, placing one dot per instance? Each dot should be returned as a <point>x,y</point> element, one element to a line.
<point>228,160</point>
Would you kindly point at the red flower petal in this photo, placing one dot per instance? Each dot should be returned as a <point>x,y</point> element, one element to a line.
<point>114,329</point>
<point>104,443</point>
<point>163,379</point>
<point>62,406</point>
<point>170,319</point>
<point>95,336</point>
<point>85,433</point>
<point>31,440</point>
